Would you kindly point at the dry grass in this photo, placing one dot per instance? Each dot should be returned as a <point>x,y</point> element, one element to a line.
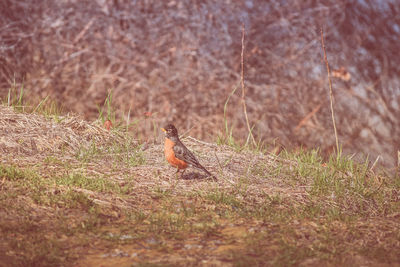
<point>32,134</point>
<point>74,194</point>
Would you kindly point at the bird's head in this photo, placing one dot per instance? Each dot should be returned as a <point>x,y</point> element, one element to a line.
<point>170,131</point>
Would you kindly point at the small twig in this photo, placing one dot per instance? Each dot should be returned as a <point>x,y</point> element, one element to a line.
<point>182,135</point>
<point>308,116</point>
<point>72,55</point>
<point>82,33</point>
<point>220,166</point>
<point>219,163</point>
<point>243,89</point>
<point>330,90</point>
<point>201,142</point>
<point>4,179</point>
<point>353,155</point>
<point>398,161</point>
<point>376,161</point>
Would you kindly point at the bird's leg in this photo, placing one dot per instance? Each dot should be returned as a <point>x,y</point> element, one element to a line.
<point>177,172</point>
<point>183,172</point>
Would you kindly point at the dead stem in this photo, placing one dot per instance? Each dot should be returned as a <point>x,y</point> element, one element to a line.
<point>243,89</point>
<point>330,91</point>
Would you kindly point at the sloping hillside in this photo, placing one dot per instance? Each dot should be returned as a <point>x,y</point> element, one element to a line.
<point>75,194</point>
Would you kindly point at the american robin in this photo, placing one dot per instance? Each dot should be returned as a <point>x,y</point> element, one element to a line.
<point>177,154</point>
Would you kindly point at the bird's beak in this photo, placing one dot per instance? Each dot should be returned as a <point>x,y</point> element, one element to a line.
<point>163,130</point>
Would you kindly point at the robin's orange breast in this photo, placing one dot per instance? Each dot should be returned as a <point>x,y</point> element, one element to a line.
<point>170,155</point>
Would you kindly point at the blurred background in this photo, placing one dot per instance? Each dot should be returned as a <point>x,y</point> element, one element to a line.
<point>180,60</point>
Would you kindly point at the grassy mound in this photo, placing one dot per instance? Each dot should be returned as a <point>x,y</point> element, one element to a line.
<point>75,194</point>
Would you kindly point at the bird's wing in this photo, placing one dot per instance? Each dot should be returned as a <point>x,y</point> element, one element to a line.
<point>182,153</point>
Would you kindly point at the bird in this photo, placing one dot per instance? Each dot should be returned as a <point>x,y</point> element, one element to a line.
<point>177,154</point>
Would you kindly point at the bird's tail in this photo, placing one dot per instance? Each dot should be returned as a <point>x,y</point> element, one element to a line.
<point>207,172</point>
